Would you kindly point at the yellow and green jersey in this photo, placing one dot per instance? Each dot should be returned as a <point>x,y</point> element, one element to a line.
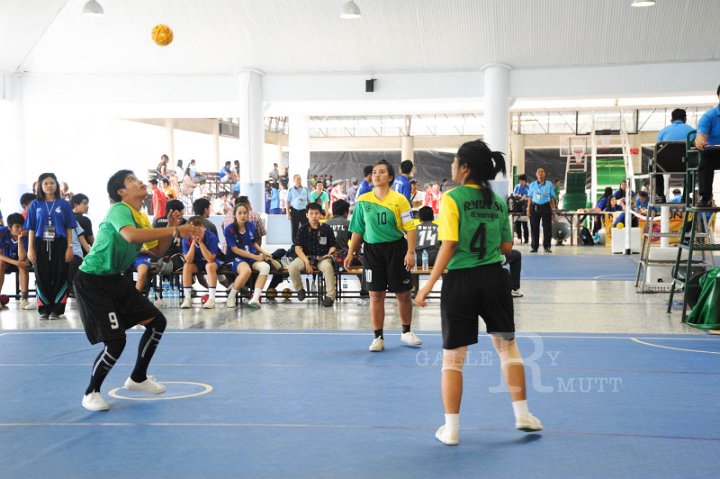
<point>477,227</point>
<point>382,221</point>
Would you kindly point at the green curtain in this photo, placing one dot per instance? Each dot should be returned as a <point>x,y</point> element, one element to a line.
<point>706,313</point>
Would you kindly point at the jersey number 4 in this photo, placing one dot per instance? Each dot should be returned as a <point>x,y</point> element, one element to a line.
<point>478,243</point>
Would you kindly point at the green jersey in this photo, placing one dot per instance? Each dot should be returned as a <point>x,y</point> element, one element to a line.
<point>477,227</point>
<point>111,253</point>
<point>324,198</point>
<point>382,221</point>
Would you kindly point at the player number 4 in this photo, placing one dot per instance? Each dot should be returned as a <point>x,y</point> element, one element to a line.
<point>478,242</point>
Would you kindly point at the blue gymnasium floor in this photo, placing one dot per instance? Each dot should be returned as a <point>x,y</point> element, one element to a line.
<point>317,404</point>
<point>554,266</point>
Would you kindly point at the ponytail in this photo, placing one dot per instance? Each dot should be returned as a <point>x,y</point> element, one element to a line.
<point>484,165</point>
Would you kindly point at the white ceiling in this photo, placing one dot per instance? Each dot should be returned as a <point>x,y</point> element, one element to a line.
<point>306,36</point>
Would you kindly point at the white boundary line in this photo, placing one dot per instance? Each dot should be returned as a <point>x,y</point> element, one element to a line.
<point>619,336</point>
<point>672,348</point>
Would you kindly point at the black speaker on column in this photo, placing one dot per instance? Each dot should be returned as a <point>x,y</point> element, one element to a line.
<point>370,85</point>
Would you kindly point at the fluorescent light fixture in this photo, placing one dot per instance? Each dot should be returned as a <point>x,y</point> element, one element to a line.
<point>643,3</point>
<point>93,9</point>
<point>674,101</point>
<point>556,105</point>
<point>350,10</point>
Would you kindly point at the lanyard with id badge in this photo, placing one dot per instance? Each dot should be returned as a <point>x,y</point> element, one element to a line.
<point>49,230</point>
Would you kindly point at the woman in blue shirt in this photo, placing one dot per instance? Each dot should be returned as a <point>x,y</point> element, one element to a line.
<point>244,255</point>
<point>50,222</point>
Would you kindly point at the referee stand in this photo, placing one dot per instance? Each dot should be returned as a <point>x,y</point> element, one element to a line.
<point>696,234</point>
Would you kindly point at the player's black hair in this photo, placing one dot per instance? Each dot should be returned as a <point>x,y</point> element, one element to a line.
<point>15,219</point>
<point>41,194</point>
<point>115,183</point>
<point>340,207</point>
<point>78,198</point>
<point>27,198</point>
<point>484,165</point>
<point>391,170</point>
<point>406,167</point>
<point>426,214</point>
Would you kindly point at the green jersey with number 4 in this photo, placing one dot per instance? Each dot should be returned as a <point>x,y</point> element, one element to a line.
<point>476,226</point>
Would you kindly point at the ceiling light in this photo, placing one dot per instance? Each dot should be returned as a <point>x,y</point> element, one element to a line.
<point>93,9</point>
<point>349,11</point>
<point>643,3</point>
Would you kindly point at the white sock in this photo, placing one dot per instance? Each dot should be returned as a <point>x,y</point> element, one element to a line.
<point>211,291</point>
<point>233,292</point>
<point>452,423</point>
<point>520,408</point>
<point>256,294</point>
<point>187,292</point>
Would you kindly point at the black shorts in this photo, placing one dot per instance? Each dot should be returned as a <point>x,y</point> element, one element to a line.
<point>11,268</point>
<point>468,293</point>
<point>109,305</point>
<point>384,267</point>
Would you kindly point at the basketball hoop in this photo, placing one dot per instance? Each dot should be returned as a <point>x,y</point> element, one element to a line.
<point>578,155</point>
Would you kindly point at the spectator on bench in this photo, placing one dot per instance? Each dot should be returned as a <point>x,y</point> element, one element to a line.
<point>25,201</point>
<point>13,256</point>
<point>244,255</point>
<point>314,247</point>
<point>202,252</point>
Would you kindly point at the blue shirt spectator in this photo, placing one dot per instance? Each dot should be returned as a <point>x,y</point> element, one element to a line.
<point>274,200</point>
<point>521,190</point>
<point>540,194</point>
<point>676,131</point>
<point>40,213</point>
<point>402,186</point>
<point>298,197</point>
<point>244,241</point>
<point>709,125</point>
<point>211,242</point>
<point>364,188</point>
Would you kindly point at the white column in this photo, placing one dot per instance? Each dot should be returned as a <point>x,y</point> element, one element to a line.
<point>408,148</point>
<point>17,176</point>
<point>216,143</point>
<point>252,137</point>
<point>299,146</point>
<point>170,130</point>
<point>497,116</point>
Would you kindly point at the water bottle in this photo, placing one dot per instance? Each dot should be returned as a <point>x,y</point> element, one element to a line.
<point>425,260</point>
<point>151,295</point>
<point>415,261</point>
<point>166,293</point>
<point>175,296</point>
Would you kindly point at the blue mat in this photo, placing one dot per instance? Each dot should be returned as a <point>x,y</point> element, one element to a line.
<point>590,267</point>
<point>317,404</point>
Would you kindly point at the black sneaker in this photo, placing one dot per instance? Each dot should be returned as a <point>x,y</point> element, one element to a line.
<point>660,199</point>
<point>44,316</point>
<point>548,250</point>
<point>328,301</point>
<point>534,250</point>
<point>301,294</point>
<point>364,293</point>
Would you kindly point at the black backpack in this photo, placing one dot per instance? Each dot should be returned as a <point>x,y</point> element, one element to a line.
<point>586,238</point>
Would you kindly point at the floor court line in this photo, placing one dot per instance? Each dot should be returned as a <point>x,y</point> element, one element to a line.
<point>620,336</point>
<point>673,348</point>
<point>338,426</point>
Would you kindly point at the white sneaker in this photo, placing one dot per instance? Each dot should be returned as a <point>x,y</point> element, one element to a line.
<point>147,386</point>
<point>158,303</point>
<point>528,423</point>
<point>254,303</point>
<point>446,438</point>
<point>27,305</point>
<point>377,345</point>
<point>187,303</point>
<point>209,304</point>
<point>94,402</point>
<point>231,301</point>
<point>516,293</point>
<point>410,339</point>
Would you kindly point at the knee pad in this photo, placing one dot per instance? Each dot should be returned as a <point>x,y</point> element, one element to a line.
<point>507,349</point>
<point>114,349</point>
<point>159,323</point>
<point>262,268</point>
<point>453,359</point>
